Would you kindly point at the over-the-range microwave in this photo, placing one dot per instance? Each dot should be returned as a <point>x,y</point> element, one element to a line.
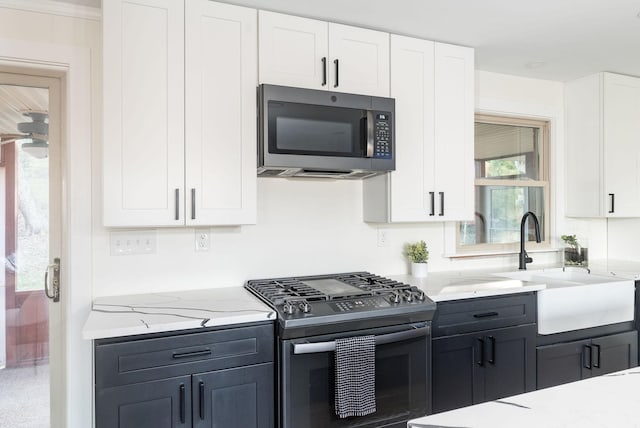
<point>313,133</point>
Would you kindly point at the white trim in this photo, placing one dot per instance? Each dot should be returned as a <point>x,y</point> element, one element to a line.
<point>74,63</point>
<point>54,8</point>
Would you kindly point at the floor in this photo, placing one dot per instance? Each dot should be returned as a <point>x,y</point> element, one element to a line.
<point>24,397</point>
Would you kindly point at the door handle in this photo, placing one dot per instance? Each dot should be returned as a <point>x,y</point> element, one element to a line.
<point>584,356</point>
<point>53,292</point>
<point>432,196</point>
<point>335,61</point>
<point>612,201</point>
<point>480,343</point>
<point>441,203</point>
<point>177,202</point>
<point>370,131</point>
<point>201,399</point>
<point>596,365</point>
<point>492,360</point>
<point>324,71</point>
<point>193,204</point>
<point>183,404</point>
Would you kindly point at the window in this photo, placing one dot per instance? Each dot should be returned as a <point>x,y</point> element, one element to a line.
<point>511,178</point>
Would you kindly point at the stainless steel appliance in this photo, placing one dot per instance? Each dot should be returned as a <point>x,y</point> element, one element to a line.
<point>311,133</point>
<point>314,311</point>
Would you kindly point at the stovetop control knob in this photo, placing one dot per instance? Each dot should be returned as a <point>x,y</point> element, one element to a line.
<point>409,296</point>
<point>305,307</point>
<point>288,308</point>
<point>421,296</point>
<point>396,298</point>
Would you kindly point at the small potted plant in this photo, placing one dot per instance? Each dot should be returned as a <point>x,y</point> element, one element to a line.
<point>418,255</point>
<point>574,253</point>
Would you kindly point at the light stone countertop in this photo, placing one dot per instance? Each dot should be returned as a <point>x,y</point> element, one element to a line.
<point>127,315</point>
<point>608,401</point>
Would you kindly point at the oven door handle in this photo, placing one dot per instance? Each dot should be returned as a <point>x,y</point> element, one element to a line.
<point>314,348</point>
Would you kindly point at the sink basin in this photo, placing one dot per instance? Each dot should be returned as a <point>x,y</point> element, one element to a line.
<point>575,299</point>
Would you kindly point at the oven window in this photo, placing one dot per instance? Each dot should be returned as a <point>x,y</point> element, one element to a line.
<point>316,130</point>
<point>401,385</point>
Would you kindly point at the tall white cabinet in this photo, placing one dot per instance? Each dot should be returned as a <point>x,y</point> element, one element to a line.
<point>179,151</point>
<point>603,147</point>
<point>314,54</point>
<point>433,84</point>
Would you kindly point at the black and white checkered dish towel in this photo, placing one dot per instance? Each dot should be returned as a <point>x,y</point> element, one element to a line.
<point>355,387</point>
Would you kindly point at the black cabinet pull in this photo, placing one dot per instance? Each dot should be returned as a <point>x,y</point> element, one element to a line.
<point>201,399</point>
<point>324,70</point>
<point>596,365</point>
<point>486,315</point>
<point>612,200</point>
<point>492,360</point>
<point>480,360</point>
<point>441,203</point>
<point>193,204</point>
<point>177,204</point>
<point>335,61</point>
<point>178,355</point>
<point>182,403</point>
<point>588,352</point>
<point>432,195</point>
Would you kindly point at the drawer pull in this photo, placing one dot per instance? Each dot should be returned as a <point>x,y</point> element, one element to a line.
<point>486,315</point>
<point>178,355</point>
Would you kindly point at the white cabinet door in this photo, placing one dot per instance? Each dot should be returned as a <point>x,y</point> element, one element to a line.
<point>359,60</point>
<point>221,79</point>
<point>293,51</point>
<point>453,156</point>
<point>433,87</point>
<point>621,133</point>
<point>143,153</point>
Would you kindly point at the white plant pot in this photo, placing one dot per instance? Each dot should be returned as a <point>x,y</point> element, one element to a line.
<point>419,270</point>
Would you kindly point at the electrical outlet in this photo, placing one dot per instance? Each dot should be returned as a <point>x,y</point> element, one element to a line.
<point>125,243</point>
<point>383,238</point>
<point>202,240</point>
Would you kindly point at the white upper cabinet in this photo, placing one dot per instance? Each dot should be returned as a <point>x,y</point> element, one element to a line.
<point>602,153</point>
<point>143,171</point>
<point>316,54</point>
<point>432,84</point>
<point>220,125</point>
<point>156,170</point>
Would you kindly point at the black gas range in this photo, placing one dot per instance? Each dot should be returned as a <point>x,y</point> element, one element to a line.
<point>312,305</point>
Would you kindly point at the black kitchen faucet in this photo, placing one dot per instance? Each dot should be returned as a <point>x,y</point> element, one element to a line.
<point>524,257</point>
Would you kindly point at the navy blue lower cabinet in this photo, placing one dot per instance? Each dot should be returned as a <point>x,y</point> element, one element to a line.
<point>216,378</point>
<point>571,361</point>
<point>476,367</point>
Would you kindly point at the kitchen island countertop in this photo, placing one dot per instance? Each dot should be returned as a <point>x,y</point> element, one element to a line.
<point>605,401</point>
<point>126,315</point>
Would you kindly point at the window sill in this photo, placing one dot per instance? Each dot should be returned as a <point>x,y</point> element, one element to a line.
<point>478,254</point>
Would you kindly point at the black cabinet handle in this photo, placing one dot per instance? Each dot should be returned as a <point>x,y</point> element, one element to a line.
<point>588,352</point>
<point>178,355</point>
<point>182,403</point>
<point>324,70</point>
<point>492,359</point>
<point>441,203</point>
<point>201,399</point>
<point>177,204</point>
<point>612,200</point>
<point>193,204</point>
<point>432,195</point>
<point>480,360</point>
<point>596,365</point>
<point>486,315</point>
<point>335,61</point>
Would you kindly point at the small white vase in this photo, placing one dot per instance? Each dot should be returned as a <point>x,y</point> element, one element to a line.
<point>419,270</point>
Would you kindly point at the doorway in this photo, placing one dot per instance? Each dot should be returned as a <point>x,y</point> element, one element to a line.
<point>30,340</point>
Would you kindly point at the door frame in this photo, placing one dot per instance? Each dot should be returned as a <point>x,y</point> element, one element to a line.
<point>72,405</point>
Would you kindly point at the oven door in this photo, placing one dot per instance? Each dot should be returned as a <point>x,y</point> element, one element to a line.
<point>307,379</point>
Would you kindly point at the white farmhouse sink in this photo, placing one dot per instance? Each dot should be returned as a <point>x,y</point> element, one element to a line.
<point>573,300</point>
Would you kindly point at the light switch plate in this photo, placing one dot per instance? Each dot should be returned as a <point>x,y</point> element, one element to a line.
<point>129,242</point>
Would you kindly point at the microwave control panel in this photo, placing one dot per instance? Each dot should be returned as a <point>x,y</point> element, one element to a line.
<point>382,136</point>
